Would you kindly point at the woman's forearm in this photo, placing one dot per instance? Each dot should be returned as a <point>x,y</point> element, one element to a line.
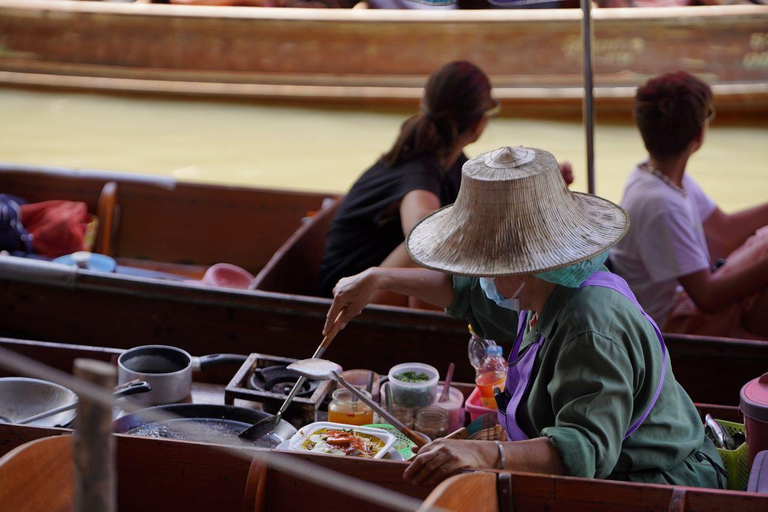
<point>352,294</point>
<point>427,285</point>
<point>534,456</point>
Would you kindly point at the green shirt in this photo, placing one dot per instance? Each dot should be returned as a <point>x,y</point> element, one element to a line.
<point>595,374</point>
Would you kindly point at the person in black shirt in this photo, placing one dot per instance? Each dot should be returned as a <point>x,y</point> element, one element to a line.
<point>418,175</point>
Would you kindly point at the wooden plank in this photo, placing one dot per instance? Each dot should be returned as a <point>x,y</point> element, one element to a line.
<point>160,475</point>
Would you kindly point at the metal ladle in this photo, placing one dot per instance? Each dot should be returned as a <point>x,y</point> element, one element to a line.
<point>322,369</point>
<point>264,427</point>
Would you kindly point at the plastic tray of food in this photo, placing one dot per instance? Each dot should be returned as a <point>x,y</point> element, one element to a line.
<point>341,439</point>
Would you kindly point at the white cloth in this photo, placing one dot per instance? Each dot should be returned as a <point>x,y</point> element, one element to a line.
<point>665,240</point>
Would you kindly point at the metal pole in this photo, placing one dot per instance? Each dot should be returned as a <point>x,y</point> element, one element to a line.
<point>589,98</point>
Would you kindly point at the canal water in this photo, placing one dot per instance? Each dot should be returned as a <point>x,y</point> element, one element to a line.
<point>326,149</point>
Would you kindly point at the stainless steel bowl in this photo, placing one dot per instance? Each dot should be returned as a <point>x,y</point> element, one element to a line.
<point>21,397</point>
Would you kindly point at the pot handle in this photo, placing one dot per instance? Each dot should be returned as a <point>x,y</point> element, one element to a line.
<point>205,362</point>
<point>131,387</point>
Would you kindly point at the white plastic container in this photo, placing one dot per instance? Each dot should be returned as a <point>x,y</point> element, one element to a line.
<point>454,405</point>
<point>304,433</point>
<point>413,394</point>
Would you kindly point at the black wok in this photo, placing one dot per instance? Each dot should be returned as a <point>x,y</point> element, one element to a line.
<point>208,423</point>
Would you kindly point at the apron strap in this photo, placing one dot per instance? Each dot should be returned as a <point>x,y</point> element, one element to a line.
<point>614,282</point>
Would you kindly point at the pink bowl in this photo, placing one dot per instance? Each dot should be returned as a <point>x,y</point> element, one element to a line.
<point>224,275</point>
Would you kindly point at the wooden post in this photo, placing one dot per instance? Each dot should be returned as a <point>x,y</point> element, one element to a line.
<point>93,443</point>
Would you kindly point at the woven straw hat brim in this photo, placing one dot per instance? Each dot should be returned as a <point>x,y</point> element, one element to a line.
<point>476,244</point>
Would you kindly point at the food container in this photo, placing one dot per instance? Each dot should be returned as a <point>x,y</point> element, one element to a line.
<point>754,406</point>
<point>432,421</point>
<point>346,408</point>
<point>299,439</point>
<point>475,408</point>
<point>454,405</point>
<point>420,391</point>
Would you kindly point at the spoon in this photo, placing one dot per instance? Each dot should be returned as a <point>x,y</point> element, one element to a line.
<point>447,384</point>
<point>263,427</point>
<point>321,369</point>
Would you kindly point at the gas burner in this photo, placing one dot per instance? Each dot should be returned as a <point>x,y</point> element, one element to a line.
<point>265,379</point>
<point>279,380</point>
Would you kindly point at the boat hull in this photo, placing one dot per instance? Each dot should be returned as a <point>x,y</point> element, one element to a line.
<point>533,57</point>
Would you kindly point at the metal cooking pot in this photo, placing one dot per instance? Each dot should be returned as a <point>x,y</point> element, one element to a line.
<point>204,423</point>
<point>167,369</point>
<point>22,398</point>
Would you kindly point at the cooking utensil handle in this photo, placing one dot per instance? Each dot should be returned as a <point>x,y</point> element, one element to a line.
<point>46,414</point>
<point>131,387</point>
<point>206,362</point>
<point>288,400</point>
<point>447,384</point>
<point>318,353</point>
<point>335,328</point>
<point>413,436</point>
<point>461,433</point>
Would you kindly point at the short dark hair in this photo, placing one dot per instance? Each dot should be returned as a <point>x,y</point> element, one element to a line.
<point>670,111</point>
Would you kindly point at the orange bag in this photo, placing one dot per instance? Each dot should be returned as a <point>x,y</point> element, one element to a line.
<point>57,227</point>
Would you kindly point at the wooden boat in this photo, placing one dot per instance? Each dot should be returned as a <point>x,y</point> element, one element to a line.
<point>157,223</point>
<point>212,382</point>
<point>159,475</point>
<point>367,56</point>
<point>122,311</point>
<point>194,476</point>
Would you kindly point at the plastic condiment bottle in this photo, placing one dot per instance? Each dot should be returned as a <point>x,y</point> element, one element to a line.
<point>491,374</point>
<point>477,349</point>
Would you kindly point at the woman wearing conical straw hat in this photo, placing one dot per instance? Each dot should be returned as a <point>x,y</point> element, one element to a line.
<point>590,388</point>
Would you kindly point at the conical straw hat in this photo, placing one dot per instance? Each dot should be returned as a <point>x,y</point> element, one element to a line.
<point>515,215</point>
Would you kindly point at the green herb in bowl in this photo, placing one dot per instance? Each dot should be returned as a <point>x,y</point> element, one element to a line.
<point>412,376</point>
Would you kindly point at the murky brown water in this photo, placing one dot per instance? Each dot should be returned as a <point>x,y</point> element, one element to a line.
<point>325,148</point>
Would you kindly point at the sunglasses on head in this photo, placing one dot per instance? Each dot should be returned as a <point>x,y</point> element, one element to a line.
<point>711,114</point>
<point>494,110</point>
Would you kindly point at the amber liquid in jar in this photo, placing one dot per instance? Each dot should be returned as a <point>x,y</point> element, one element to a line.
<point>348,409</point>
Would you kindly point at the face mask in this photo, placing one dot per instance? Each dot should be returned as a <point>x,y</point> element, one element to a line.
<point>573,275</point>
<point>489,288</point>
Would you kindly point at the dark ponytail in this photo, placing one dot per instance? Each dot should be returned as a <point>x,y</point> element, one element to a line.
<point>456,96</point>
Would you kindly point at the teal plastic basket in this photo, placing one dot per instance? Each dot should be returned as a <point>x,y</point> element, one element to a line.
<point>403,445</point>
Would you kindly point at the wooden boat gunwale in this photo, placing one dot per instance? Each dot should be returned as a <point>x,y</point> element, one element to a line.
<point>535,93</point>
<point>163,460</point>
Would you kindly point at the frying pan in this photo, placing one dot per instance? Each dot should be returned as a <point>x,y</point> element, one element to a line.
<point>208,423</point>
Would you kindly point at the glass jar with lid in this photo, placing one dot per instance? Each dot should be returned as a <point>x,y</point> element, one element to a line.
<point>348,409</point>
<point>432,421</point>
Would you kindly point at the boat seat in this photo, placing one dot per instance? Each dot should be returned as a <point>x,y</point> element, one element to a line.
<point>468,491</point>
<point>295,267</point>
<point>38,476</point>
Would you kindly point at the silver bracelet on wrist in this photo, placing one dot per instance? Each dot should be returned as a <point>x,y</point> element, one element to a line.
<point>502,455</point>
